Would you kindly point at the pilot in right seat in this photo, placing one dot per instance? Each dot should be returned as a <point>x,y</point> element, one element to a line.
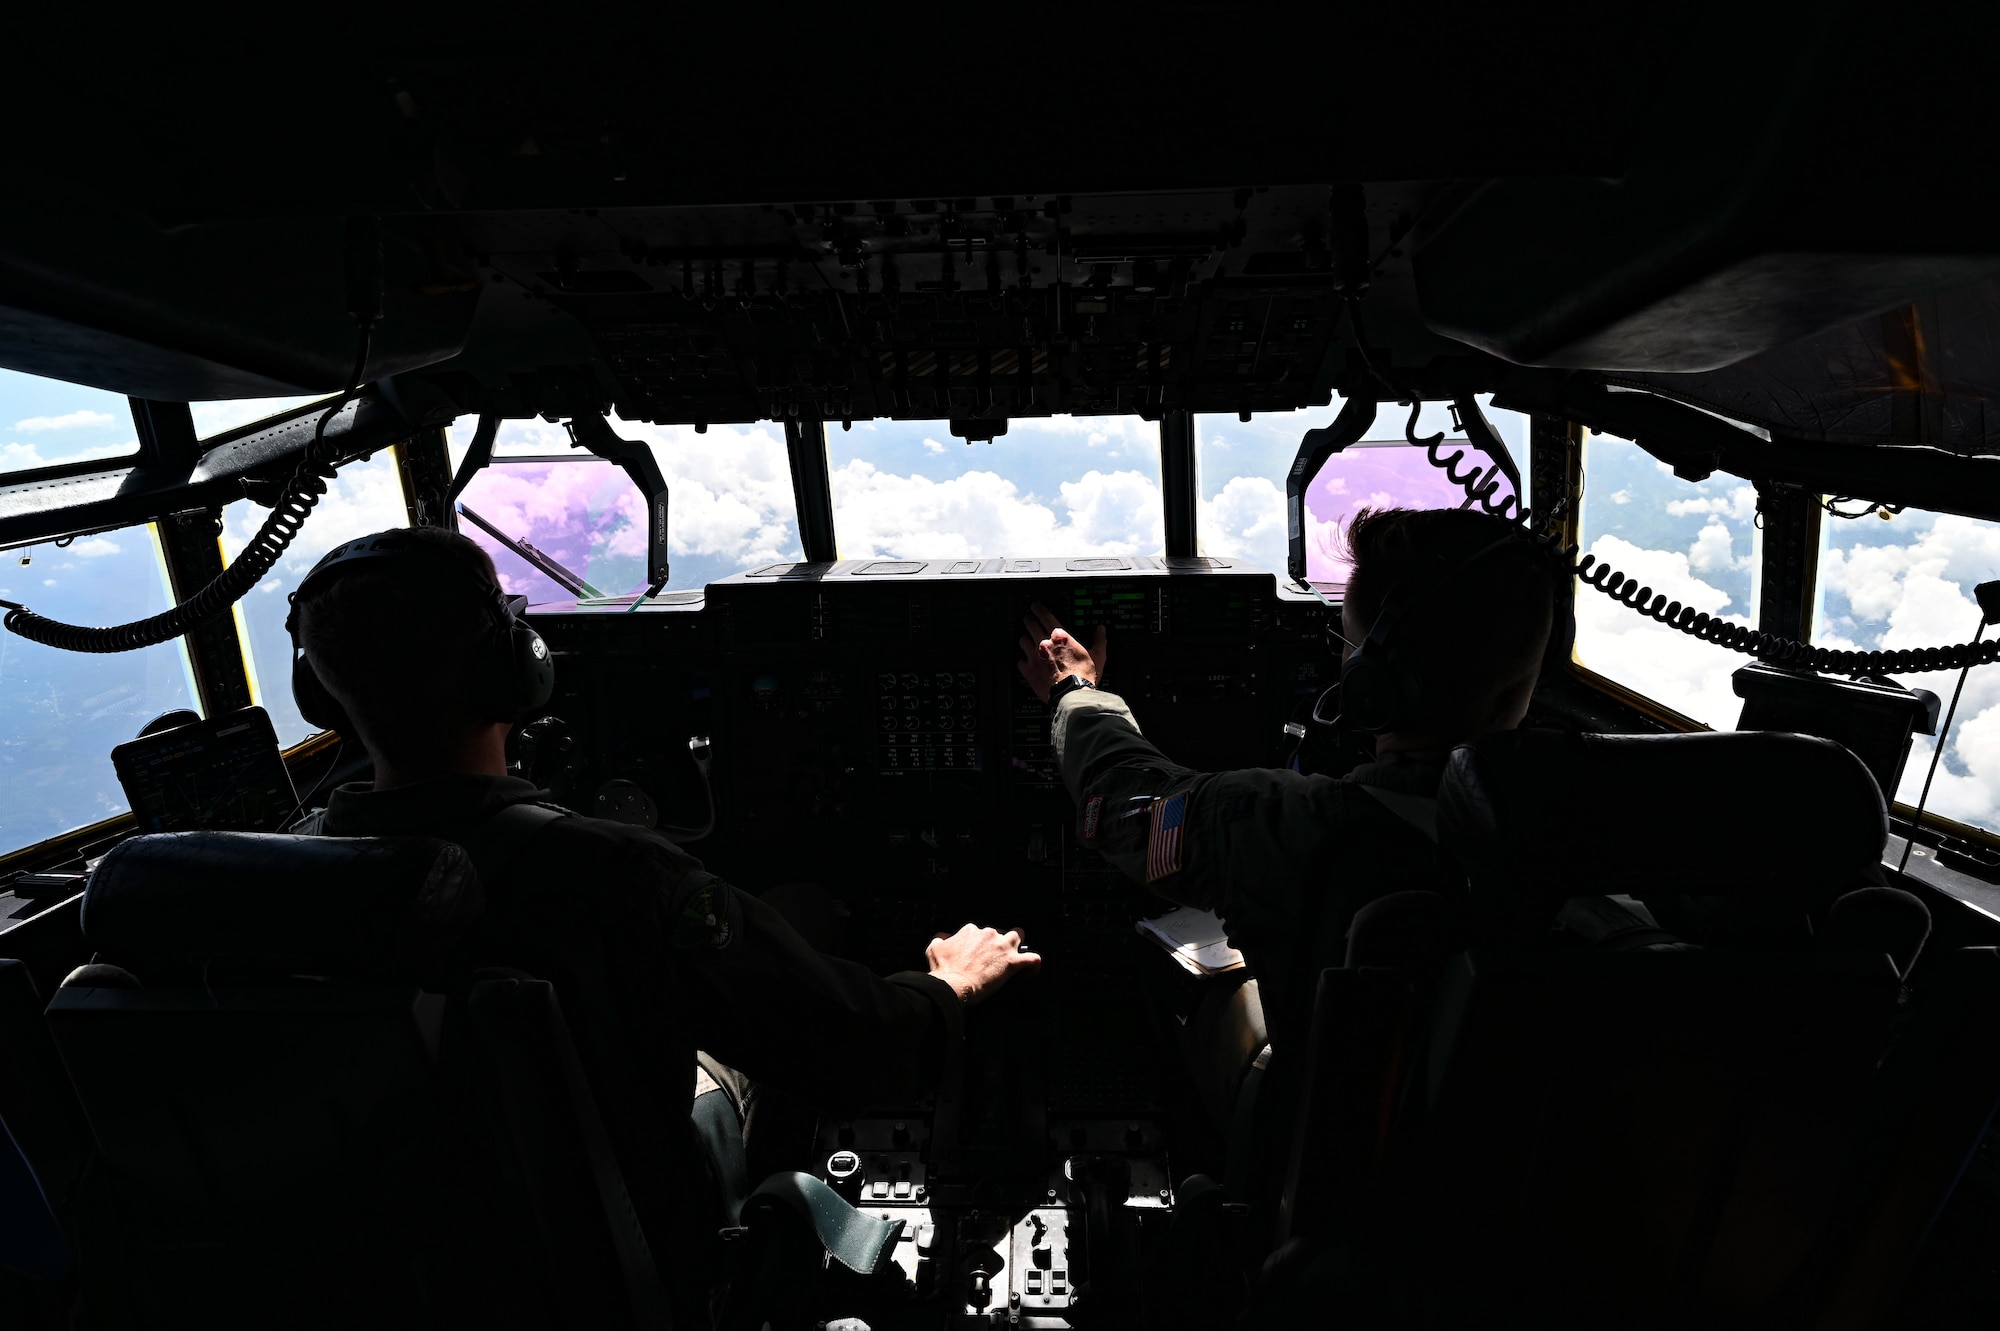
<point>1465,600</point>
<point>410,646</point>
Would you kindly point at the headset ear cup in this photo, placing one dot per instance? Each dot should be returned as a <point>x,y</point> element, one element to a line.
<point>315,704</point>
<point>1376,696</point>
<point>534,669</point>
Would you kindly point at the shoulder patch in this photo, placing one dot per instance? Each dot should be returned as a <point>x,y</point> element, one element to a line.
<point>1166,840</point>
<point>708,918</point>
<point>1093,813</point>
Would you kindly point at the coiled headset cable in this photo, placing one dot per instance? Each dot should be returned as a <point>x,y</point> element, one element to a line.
<point>1788,653</point>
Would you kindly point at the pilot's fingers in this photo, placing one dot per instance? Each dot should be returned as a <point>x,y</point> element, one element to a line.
<point>1046,616</point>
<point>1016,938</point>
<point>1024,961</point>
<point>1100,643</point>
<point>1030,646</point>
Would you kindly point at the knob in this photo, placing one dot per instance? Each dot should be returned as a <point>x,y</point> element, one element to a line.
<point>843,1171</point>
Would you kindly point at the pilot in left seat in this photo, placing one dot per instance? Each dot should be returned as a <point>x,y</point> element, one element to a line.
<point>409,646</point>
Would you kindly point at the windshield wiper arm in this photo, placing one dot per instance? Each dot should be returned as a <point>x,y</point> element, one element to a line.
<point>569,582</point>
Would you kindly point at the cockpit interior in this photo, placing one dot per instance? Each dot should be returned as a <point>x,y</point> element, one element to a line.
<point>782,364</point>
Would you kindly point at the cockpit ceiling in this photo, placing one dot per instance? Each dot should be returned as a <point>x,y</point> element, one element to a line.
<point>1191,206</point>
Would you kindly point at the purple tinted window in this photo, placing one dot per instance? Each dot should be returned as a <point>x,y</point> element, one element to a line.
<point>1371,475</point>
<point>586,515</point>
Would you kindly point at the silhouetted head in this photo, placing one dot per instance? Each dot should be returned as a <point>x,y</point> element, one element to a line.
<point>394,641</point>
<point>1475,637</point>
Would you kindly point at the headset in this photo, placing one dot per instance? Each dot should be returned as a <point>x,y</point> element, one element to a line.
<point>512,672</point>
<point>1380,691</point>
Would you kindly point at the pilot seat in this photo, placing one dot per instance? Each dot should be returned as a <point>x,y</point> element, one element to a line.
<point>305,1119</point>
<point>1740,1107</point>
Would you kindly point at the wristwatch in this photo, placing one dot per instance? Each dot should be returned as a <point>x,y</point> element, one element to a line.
<point>1065,686</point>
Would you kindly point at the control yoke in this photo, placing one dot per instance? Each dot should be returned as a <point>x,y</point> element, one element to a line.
<point>594,433</point>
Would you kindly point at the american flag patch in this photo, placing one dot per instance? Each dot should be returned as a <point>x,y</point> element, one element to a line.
<point>1093,811</point>
<point>1163,847</point>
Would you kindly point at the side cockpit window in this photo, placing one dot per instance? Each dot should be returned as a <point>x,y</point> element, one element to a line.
<point>364,497</point>
<point>61,713</point>
<point>1695,542</point>
<point>1907,582</point>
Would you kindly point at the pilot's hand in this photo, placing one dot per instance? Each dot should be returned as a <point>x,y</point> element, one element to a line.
<point>975,962</point>
<point>1048,652</point>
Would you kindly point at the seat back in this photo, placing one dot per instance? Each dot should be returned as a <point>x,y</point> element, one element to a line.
<point>299,1126</point>
<point>1675,1135</point>
<point>1677,1126</point>
<point>37,1104</point>
<point>1762,818</point>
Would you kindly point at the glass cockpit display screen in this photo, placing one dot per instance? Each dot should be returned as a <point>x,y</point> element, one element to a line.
<point>224,774</point>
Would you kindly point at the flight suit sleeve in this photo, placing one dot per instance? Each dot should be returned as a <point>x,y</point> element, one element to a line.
<point>1244,844</point>
<point>764,1001</point>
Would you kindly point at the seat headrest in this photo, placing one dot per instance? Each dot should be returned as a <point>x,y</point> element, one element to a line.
<point>1556,815</point>
<point>336,905</point>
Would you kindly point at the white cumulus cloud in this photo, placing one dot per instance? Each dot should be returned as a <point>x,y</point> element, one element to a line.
<point>1739,505</point>
<point>979,513</point>
<point>69,420</point>
<point>1686,674</point>
<point>96,547</point>
<point>1917,594</point>
<point>1247,520</point>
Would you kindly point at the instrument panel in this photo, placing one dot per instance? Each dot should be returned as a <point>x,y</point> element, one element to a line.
<point>867,707</point>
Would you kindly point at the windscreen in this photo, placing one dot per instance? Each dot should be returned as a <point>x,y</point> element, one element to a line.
<point>730,509</point>
<point>1056,486</point>
<point>1243,466</point>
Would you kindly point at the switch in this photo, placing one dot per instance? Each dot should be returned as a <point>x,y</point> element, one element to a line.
<point>902,1187</point>
<point>879,1188</point>
<point>1034,1282</point>
<point>1057,1281</point>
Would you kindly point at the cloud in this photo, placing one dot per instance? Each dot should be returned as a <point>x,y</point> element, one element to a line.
<point>1247,520</point>
<point>26,457</point>
<point>95,548</point>
<point>980,513</point>
<point>1739,505</point>
<point>933,446</point>
<point>1712,551</point>
<point>1686,674</point>
<point>1915,594</point>
<point>213,418</point>
<point>70,420</point>
<point>1622,497</point>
